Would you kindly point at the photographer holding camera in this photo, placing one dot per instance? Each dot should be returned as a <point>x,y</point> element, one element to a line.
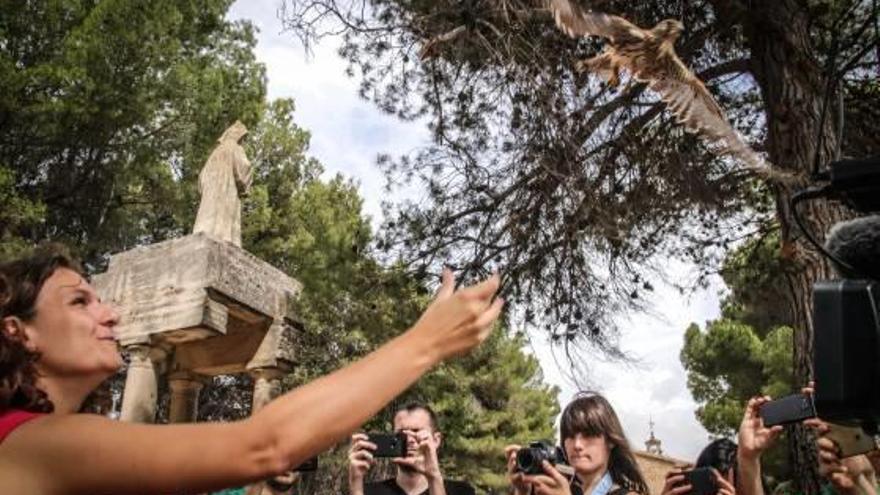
<point>593,445</point>
<point>418,472</point>
<point>714,472</point>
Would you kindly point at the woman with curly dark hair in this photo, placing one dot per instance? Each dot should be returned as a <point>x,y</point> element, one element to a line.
<point>594,446</point>
<point>57,345</point>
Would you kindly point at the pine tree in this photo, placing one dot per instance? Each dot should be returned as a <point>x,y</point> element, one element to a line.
<point>575,189</point>
<point>107,112</point>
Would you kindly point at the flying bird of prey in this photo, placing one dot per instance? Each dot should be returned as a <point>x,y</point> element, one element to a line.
<point>649,56</point>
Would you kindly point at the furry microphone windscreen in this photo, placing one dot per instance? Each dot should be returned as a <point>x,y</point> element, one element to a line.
<point>857,243</point>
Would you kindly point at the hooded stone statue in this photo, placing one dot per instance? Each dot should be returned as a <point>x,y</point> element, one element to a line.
<point>224,179</point>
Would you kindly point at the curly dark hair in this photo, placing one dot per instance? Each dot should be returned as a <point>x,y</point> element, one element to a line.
<point>20,282</point>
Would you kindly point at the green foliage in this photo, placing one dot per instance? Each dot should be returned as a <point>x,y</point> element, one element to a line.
<point>748,351</point>
<point>728,363</point>
<point>754,275</point>
<point>572,188</point>
<point>108,110</point>
<point>16,214</point>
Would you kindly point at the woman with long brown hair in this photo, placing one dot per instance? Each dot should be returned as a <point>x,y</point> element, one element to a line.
<point>57,345</point>
<point>595,447</point>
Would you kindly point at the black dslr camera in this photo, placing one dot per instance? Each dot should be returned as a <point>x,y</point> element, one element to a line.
<point>846,340</point>
<point>529,459</point>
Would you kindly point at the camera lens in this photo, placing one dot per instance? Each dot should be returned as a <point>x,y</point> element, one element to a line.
<point>525,460</point>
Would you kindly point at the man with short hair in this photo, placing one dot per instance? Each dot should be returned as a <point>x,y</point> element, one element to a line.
<point>419,472</point>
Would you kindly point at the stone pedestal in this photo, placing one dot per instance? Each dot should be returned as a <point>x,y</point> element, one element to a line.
<point>211,306</point>
<point>194,288</point>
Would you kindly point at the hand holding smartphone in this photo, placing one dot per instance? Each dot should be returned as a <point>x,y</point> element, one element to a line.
<point>388,444</point>
<point>787,410</point>
<point>702,481</point>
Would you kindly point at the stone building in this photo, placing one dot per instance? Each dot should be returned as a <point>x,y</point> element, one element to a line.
<point>654,464</point>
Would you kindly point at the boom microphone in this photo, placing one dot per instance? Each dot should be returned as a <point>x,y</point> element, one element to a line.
<point>854,182</point>
<point>856,243</point>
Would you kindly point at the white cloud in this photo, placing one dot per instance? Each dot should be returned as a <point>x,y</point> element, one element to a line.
<point>348,133</point>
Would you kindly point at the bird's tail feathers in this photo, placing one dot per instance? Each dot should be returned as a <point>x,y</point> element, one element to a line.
<point>734,146</point>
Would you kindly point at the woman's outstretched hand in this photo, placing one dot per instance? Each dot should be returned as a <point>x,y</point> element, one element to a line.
<point>456,321</point>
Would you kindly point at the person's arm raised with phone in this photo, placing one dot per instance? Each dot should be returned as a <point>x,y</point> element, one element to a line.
<point>63,452</point>
<point>754,439</point>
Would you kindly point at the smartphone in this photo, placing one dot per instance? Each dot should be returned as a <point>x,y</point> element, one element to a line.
<point>852,440</point>
<point>702,481</point>
<point>310,464</point>
<point>388,444</point>
<point>787,410</point>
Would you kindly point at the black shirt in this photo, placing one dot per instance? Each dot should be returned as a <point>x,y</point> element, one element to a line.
<point>390,487</point>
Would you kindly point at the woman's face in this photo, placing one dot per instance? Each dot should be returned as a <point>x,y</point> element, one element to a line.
<point>587,454</point>
<point>72,329</point>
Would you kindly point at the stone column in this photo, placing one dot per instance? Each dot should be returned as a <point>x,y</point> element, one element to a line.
<point>267,383</point>
<point>139,396</point>
<point>184,405</point>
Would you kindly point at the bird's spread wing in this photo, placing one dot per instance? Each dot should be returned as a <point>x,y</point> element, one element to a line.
<point>430,48</point>
<point>685,96</point>
<point>693,106</point>
<point>576,22</point>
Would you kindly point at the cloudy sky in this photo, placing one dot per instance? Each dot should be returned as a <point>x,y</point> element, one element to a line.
<point>347,135</point>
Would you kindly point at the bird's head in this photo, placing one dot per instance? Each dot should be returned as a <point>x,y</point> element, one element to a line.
<point>669,29</point>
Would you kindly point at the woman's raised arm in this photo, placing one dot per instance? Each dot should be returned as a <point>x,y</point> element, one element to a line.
<point>90,454</point>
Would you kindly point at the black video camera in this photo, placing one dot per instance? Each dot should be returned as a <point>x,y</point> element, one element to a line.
<point>529,459</point>
<point>846,339</point>
<point>846,350</point>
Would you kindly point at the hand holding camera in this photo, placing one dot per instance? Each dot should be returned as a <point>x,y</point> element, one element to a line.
<point>530,460</point>
<point>366,448</point>
<point>360,457</point>
<point>676,484</point>
<point>420,454</point>
<point>754,436</point>
<point>515,477</point>
<point>697,481</point>
<point>540,466</point>
<point>549,482</point>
